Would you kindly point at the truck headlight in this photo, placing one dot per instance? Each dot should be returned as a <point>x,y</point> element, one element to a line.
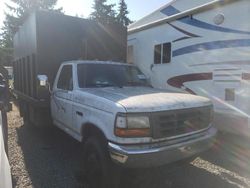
<point>132,126</point>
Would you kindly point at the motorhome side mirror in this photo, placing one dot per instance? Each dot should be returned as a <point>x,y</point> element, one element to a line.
<point>43,80</point>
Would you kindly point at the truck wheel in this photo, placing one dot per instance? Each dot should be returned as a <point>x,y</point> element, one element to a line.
<point>100,171</point>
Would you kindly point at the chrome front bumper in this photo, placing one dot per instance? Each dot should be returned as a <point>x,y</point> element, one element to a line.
<point>156,154</point>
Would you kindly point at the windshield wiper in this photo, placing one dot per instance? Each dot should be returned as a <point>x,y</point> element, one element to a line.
<point>103,85</point>
<point>135,84</point>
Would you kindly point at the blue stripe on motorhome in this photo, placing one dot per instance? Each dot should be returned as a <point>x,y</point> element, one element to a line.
<point>183,31</point>
<point>170,10</point>
<point>212,46</point>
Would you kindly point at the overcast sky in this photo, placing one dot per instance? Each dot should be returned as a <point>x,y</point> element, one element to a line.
<point>137,8</point>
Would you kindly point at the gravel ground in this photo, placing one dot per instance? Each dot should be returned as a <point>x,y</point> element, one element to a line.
<point>46,158</point>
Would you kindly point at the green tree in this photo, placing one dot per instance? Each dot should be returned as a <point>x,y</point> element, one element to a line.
<point>103,12</point>
<point>123,12</point>
<point>17,12</point>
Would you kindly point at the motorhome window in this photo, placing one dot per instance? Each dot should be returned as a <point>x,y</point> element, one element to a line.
<point>162,53</point>
<point>65,81</point>
<point>157,55</point>
<point>166,53</point>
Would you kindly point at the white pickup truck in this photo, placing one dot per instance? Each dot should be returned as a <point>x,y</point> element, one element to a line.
<point>121,119</point>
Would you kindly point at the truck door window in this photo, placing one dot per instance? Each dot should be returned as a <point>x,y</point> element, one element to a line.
<point>65,81</point>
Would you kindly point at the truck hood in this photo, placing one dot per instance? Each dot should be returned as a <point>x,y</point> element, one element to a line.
<point>146,99</point>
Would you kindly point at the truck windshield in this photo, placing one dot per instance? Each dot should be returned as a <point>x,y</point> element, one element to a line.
<point>109,75</point>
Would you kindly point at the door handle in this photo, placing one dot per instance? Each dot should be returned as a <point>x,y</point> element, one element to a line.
<point>79,113</point>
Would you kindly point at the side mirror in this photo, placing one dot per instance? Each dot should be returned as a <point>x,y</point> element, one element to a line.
<point>43,80</point>
<point>44,86</point>
<point>142,77</point>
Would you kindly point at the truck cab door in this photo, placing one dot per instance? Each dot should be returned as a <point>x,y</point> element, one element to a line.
<point>61,101</point>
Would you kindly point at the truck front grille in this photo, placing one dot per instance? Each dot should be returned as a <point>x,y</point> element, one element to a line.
<point>180,122</point>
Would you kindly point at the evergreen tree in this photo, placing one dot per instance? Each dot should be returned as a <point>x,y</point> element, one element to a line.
<point>103,12</point>
<point>16,13</point>
<point>123,12</point>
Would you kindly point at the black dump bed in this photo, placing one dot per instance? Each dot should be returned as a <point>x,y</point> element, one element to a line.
<point>47,39</point>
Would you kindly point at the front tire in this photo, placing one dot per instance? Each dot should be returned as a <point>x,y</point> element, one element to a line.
<point>100,171</point>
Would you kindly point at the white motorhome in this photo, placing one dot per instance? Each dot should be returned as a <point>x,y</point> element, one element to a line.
<point>200,47</point>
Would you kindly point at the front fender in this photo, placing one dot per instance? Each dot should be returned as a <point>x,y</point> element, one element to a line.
<point>102,122</point>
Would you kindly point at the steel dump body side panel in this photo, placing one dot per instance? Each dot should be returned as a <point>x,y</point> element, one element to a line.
<point>47,39</point>
<point>25,48</point>
<point>25,40</point>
